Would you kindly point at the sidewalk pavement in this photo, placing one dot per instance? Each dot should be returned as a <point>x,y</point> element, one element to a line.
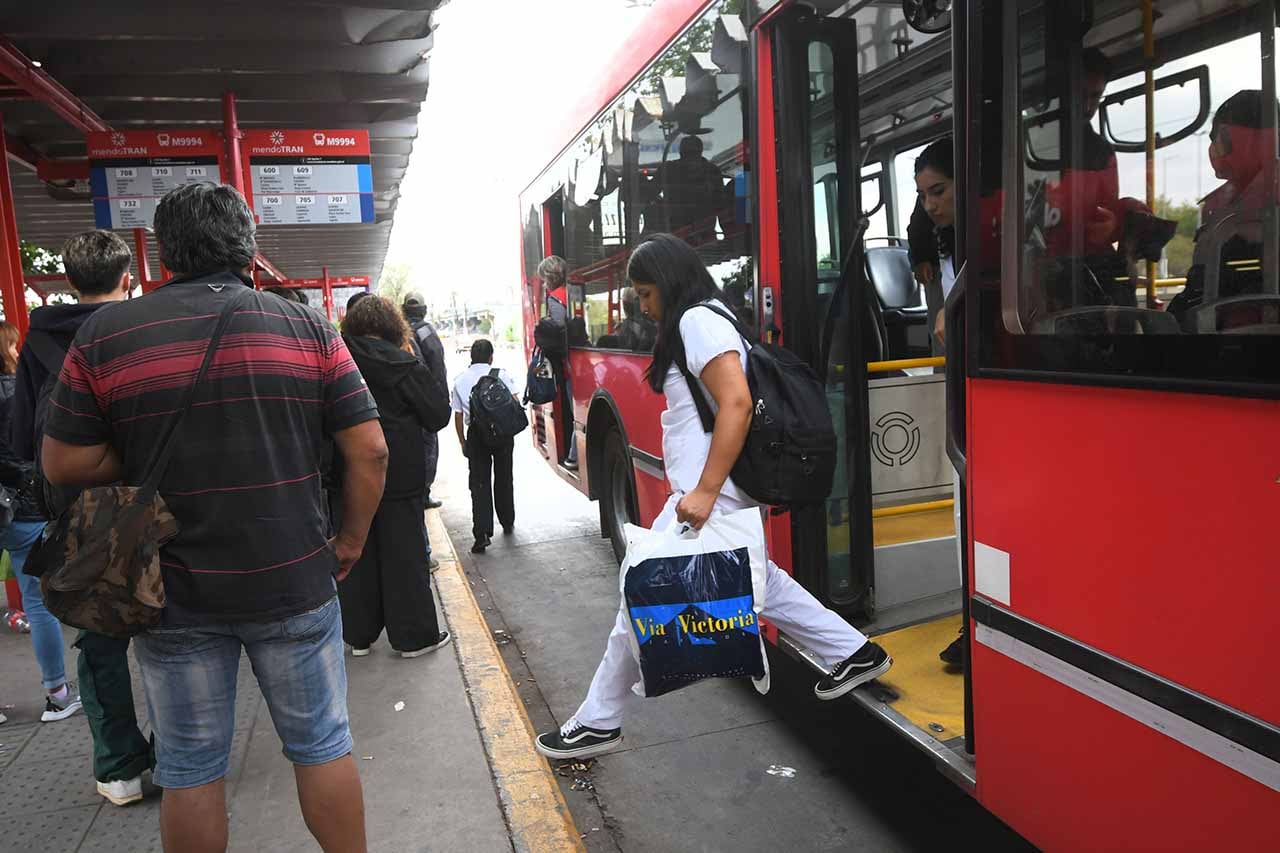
<point>452,769</point>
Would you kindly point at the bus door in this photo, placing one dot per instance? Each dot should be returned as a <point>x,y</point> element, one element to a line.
<point>1122,295</point>
<point>882,551</point>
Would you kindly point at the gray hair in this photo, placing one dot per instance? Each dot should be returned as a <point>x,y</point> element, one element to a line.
<point>630,302</point>
<point>553,270</point>
<point>95,261</point>
<point>204,228</point>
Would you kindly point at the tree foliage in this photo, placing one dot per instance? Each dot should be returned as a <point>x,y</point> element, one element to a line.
<point>396,282</point>
<point>38,261</point>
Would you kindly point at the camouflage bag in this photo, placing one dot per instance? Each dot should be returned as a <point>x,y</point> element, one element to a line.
<point>99,561</point>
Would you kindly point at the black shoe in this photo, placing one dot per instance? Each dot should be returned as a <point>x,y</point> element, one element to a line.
<point>575,740</point>
<point>441,640</point>
<point>866,663</point>
<point>953,655</point>
<point>480,545</point>
<point>432,503</point>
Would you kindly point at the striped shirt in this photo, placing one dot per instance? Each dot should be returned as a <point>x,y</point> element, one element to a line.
<point>244,481</point>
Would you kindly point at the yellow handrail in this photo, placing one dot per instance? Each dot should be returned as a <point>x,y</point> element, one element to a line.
<point>904,364</point>
<point>908,509</point>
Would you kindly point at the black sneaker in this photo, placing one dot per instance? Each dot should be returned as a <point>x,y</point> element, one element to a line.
<point>432,503</point>
<point>508,529</point>
<point>480,545</point>
<point>442,640</point>
<point>866,663</point>
<point>574,740</point>
<point>953,655</point>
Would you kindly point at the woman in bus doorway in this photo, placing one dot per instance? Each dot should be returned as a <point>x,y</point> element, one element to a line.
<point>669,279</point>
<point>935,181</point>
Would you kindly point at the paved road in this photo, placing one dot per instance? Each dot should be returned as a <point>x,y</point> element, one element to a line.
<point>694,771</point>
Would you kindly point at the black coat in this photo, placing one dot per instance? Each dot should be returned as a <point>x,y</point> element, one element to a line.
<point>409,400</point>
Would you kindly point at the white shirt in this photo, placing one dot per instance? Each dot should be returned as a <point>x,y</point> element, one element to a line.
<point>685,444</point>
<point>460,400</point>
<point>948,277</point>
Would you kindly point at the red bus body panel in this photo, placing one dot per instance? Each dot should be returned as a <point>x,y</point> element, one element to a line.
<point>1156,557</point>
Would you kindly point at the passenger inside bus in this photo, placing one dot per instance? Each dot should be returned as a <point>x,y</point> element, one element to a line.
<point>692,189</point>
<point>553,334</point>
<point>935,185</point>
<point>1230,232</point>
<point>637,331</point>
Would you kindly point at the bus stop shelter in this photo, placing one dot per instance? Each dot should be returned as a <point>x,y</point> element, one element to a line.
<point>70,67</point>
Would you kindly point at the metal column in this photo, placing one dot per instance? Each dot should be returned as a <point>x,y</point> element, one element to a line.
<point>12,285</point>
<point>327,291</point>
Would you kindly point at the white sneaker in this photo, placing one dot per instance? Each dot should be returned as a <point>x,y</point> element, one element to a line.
<point>3,718</point>
<point>123,791</point>
<point>60,709</point>
<point>359,653</point>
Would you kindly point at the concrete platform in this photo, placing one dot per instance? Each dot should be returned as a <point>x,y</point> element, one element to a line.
<point>428,780</point>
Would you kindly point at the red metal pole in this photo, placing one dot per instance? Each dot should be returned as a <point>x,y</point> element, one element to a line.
<point>231,135</point>
<point>144,262</point>
<point>12,283</point>
<point>327,290</point>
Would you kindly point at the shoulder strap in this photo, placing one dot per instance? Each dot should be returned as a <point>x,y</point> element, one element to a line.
<point>700,403</point>
<point>172,429</point>
<point>494,373</point>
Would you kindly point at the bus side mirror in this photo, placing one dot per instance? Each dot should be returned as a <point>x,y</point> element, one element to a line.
<point>927,16</point>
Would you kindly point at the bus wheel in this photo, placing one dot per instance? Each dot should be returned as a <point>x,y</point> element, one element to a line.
<point>618,502</point>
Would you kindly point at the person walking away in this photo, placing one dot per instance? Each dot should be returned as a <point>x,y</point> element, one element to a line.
<point>390,586</point>
<point>490,469</point>
<point>62,699</point>
<point>97,265</point>
<point>431,351</point>
<point>251,570</point>
<point>670,280</point>
<point>554,271</point>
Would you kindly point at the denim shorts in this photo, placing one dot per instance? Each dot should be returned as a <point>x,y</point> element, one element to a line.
<point>189,675</point>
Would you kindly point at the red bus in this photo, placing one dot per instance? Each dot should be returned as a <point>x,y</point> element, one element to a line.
<point>1109,419</point>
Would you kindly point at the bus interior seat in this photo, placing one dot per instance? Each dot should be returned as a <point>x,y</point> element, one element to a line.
<point>900,297</point>
<point>1107,320</point>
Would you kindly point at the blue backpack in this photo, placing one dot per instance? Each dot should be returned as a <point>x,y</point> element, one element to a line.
<point>540,386</point>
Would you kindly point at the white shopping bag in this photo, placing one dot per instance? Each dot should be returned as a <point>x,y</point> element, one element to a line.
<point>692,599</point>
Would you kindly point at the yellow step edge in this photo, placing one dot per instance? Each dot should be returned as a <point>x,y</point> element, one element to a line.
<point>536,813</point>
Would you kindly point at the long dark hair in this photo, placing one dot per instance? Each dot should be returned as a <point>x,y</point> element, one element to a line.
<point>671,265</point>
<point>939,155</point>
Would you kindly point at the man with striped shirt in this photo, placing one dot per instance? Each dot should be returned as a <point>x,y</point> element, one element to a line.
<point>253,565</point>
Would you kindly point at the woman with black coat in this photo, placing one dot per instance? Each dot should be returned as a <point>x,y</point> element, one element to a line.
<point>390,586</point>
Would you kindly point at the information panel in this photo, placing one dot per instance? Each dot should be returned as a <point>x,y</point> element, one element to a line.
<point>309,177</point>
<point>129,171</point>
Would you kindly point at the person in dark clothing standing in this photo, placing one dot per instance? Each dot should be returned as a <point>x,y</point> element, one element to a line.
<point>427,342</point>
<point>390,586</point>
<point>97,265</point>
<point>61,698</point>
<point>484,461</point>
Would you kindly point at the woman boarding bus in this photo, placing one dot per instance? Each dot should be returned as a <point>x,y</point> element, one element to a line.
<point>669,279</point>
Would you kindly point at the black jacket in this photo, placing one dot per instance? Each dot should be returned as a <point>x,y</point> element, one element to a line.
<point>56,324</point>
<point>409,400</point>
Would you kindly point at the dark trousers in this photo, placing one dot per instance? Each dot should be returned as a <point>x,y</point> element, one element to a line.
<point>106,688</point>
<point>431,441</point>
<point>491,483</point>
<point>390,585</point>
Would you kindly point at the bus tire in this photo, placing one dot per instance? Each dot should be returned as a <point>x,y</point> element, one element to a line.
<point>618,500</point>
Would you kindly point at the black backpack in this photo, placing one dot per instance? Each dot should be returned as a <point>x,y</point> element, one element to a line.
<point>790,454</point>
<point>53,500</point>
<point>496,416</point>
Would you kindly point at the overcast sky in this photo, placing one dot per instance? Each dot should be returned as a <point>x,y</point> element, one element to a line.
<point>501,81</point>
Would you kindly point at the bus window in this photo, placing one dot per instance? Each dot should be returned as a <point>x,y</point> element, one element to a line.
<point>1120,240</point>
<point>826,207</point>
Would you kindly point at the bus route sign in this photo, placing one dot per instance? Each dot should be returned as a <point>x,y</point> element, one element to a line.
<point>129,171</point>
<point>309,177</point>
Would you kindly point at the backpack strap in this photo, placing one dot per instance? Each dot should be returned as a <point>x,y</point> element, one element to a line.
<point>173,428</point>
<point>700,403</point>
<point>493,374</point>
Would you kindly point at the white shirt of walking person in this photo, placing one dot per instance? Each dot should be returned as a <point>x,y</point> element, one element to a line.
<point>466,383</point>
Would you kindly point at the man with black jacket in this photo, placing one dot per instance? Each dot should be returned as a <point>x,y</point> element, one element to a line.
<point>97,265</point>
<point>430,351</point>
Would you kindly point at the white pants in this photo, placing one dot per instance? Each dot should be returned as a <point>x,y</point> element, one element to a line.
<point>786,604</point>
